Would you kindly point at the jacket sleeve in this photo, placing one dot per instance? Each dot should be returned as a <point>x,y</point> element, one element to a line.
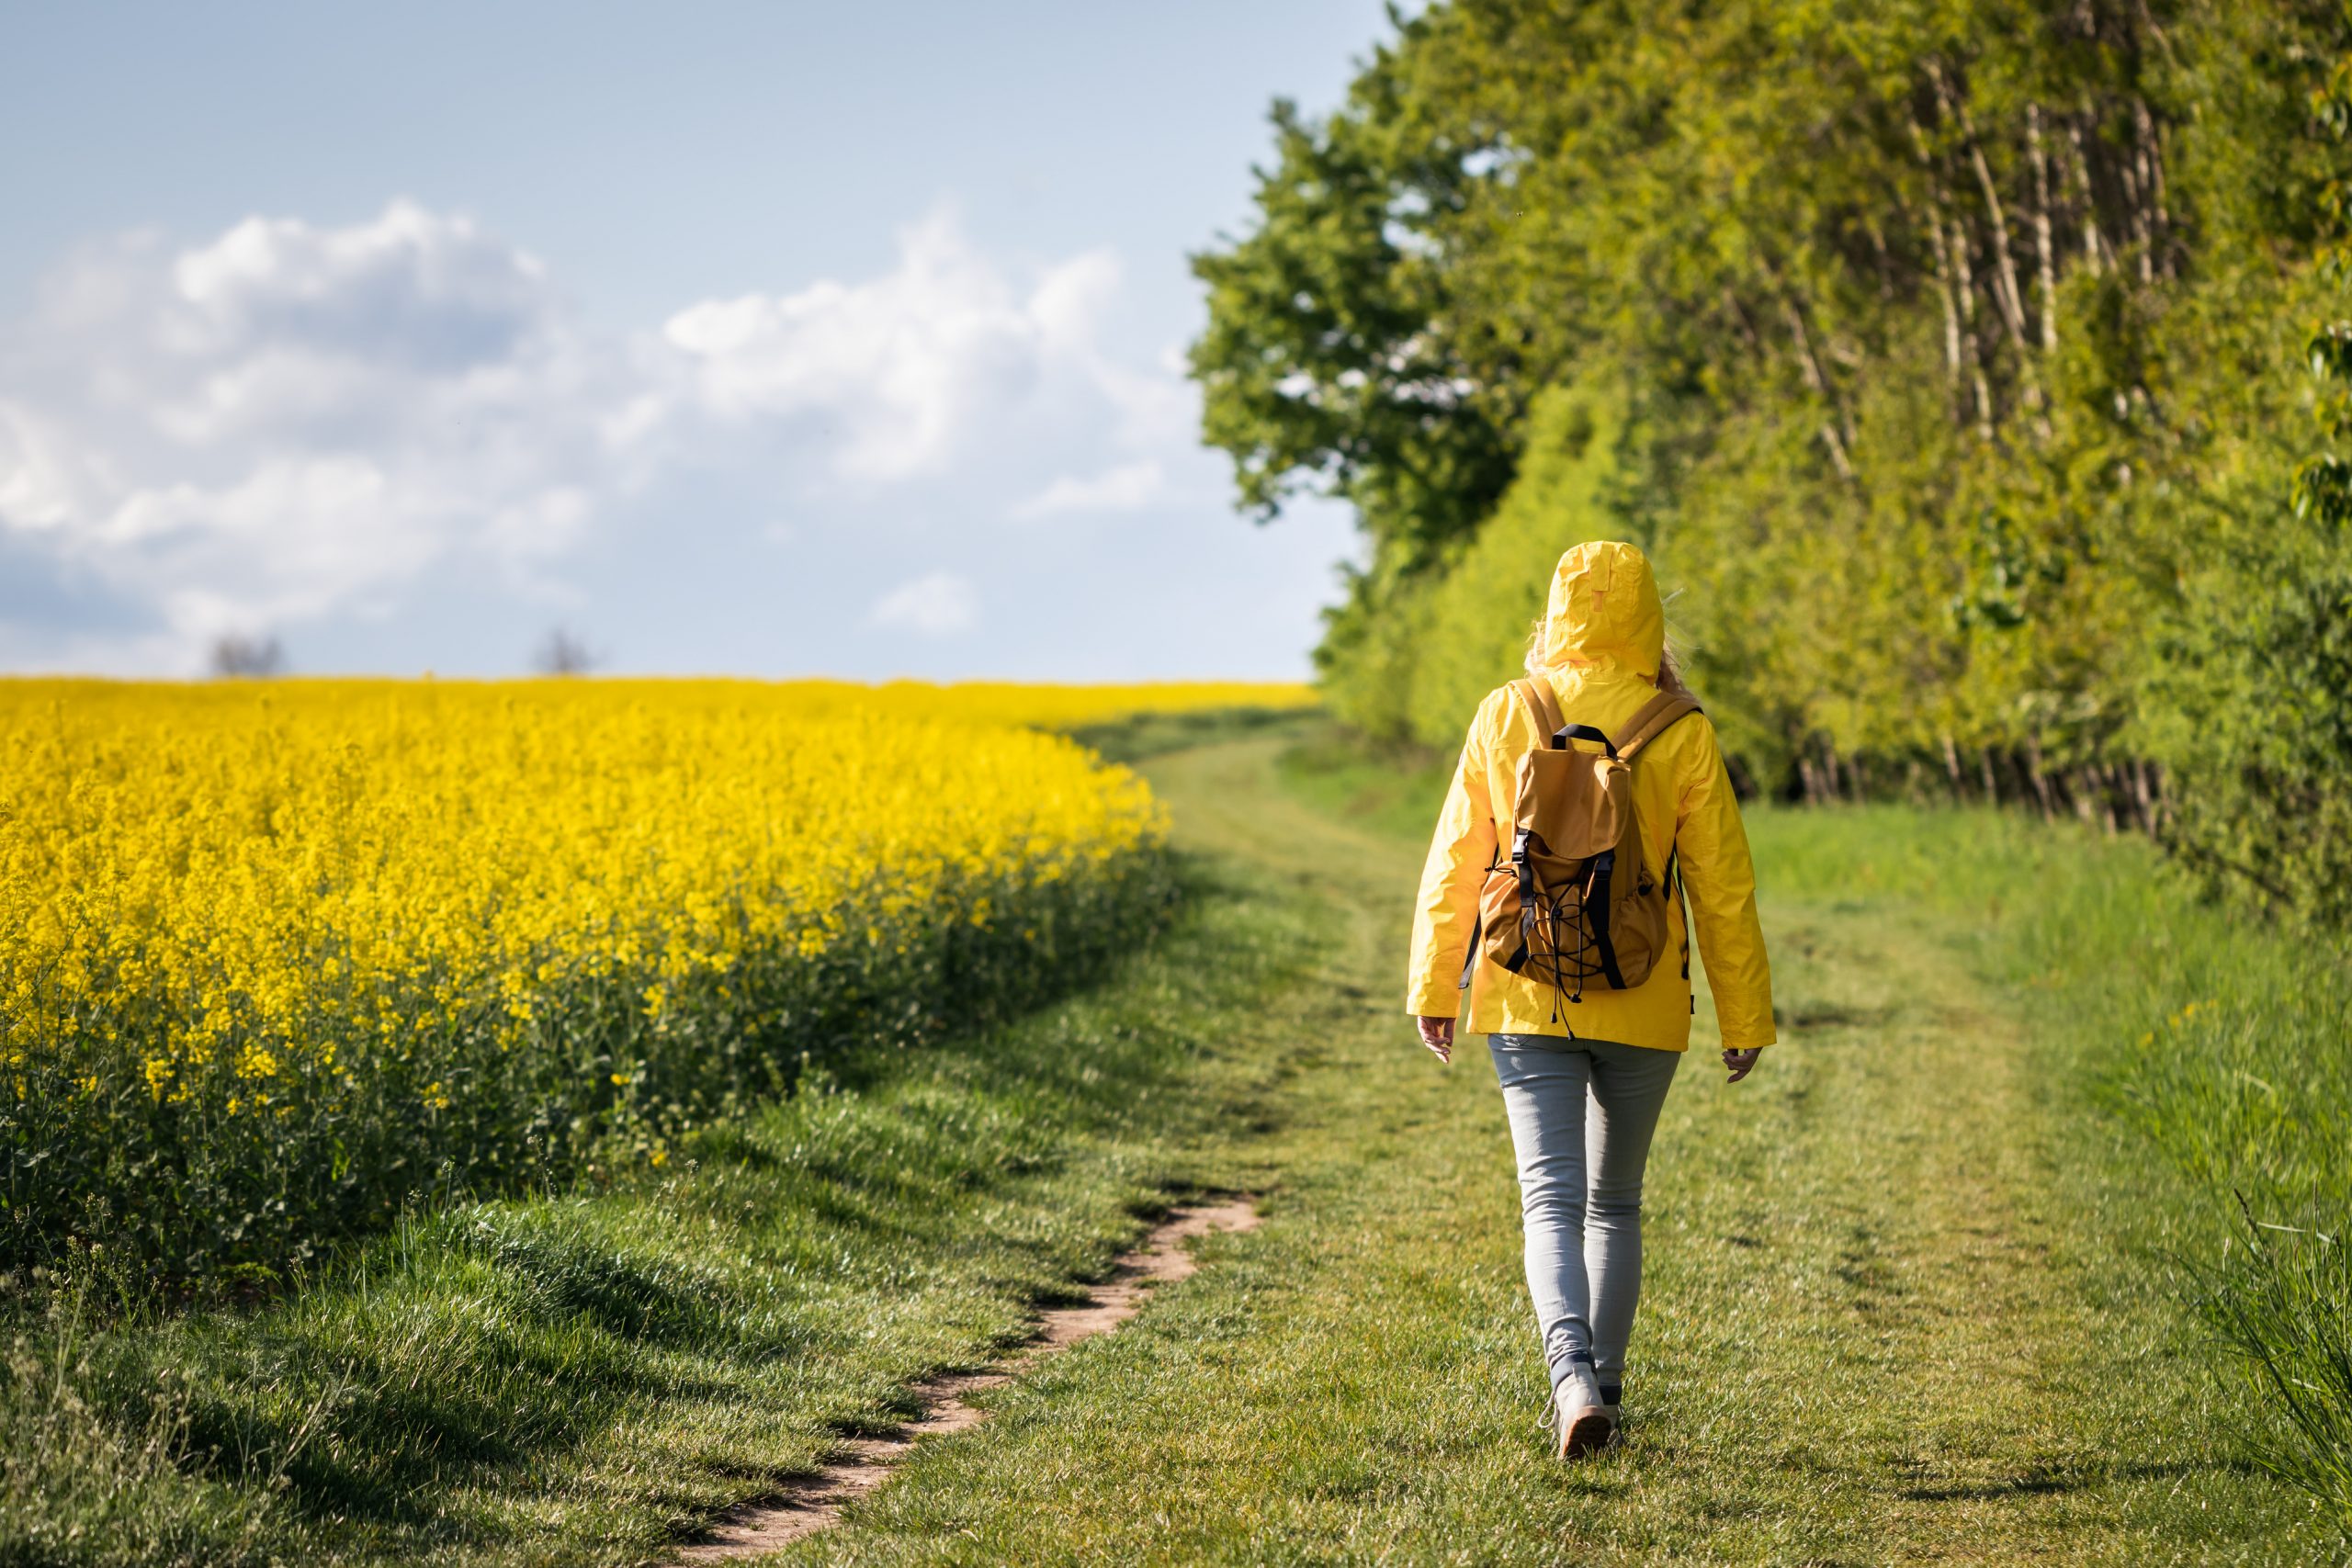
<point>1460,852</point>
<point>1712,846</point>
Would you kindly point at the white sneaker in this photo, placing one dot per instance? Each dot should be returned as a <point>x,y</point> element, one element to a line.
<point>1584,1422</point>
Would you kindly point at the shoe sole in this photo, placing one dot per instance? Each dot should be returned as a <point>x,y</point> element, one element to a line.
<point>1588,1433</point>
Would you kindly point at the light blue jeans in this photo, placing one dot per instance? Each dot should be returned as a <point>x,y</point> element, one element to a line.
<point>1581,1115</point>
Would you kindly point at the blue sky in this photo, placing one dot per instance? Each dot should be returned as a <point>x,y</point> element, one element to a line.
<point>768,339</point>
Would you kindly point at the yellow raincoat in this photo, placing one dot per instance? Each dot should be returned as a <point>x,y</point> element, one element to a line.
<point>1603,635</point>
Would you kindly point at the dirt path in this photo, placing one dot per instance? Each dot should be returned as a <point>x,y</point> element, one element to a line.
<point>1882,1322</point>
<point>816,1504</point>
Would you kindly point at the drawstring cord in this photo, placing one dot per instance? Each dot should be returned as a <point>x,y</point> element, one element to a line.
<point>1567,969</point>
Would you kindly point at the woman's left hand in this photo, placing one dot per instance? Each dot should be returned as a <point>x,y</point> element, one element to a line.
<point>1437,1034</point>
<point>1741,1063</point>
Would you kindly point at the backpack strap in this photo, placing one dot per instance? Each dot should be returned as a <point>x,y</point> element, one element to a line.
<point>1655,716</point>
<point>1540,702</point>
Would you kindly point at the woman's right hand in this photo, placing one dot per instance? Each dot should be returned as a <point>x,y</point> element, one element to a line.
<point>1741,1063</point>
<point>1437,1034</point>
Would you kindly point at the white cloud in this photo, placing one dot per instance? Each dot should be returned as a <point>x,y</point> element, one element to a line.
<point>940,604</point>
<point>1126,488</point>
<point>46,479</point>
<point>413,288</point>
<point>294,422</point>
<point>901,370</point>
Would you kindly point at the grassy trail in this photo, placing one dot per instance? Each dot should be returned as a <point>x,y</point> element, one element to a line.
<point>1884,1319</point>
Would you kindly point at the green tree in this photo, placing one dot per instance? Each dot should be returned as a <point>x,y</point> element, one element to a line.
<point>2251,695</point>
<point>1330,364</point>
<point>1929,311</point>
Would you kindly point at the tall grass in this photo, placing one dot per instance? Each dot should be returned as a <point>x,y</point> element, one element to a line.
<point>2212,1049</point>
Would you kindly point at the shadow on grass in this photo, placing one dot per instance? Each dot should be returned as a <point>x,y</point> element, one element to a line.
<point>1836,1015</point>
<point>2056,1480</point>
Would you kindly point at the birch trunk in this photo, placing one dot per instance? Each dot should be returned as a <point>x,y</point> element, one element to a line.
<point>2097,251</point>
<point>2035,776</point>
<point>1837,432</point>
<point>1951,312</point>
<point>1970,344</point>
<point>1952,258</point>
<point>2006,292</point>
<point>2135,201</point>
<point>2045,243</point>
<point>2148,152</point>
<point>2009,297</point>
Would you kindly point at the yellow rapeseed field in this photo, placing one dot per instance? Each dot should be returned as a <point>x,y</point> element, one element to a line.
<point>275,956</point>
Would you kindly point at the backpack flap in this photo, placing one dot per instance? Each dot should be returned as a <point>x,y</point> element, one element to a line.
<point>1574,804</point>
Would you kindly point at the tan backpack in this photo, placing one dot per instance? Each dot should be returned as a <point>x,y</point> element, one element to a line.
<point>1575,901</point>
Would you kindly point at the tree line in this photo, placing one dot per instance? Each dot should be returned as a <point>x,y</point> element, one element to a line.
<point>1973,367</point>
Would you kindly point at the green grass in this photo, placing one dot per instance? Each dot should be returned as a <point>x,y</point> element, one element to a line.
<point>1890,1314</point>
<point>1138,736</point>
<point>580,1377</point>
<point>1920,1290</point>
<point>1391,791</point>
<point>2201,1064</point>
<point>2206,1060</point>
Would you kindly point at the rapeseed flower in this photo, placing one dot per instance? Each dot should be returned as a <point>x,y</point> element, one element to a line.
<point>324,927</point>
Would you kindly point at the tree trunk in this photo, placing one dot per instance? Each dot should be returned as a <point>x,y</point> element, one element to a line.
<point>2148,153</point>
<point>1879,250</point>
<point>2097,251</point>
<point>2144,796</point>
<point>1992,780</point>
<point>2044,244</point>
<point>1951,314</point>
<point>1951,251</point>
<point>2035,776</point>
<point>2006,292</point>
<point>2131,173</point>
<point>1968,340</point>
<point>1837,431</point>
<point>1952,766</point>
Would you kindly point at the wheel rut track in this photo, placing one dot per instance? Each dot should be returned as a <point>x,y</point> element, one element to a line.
<point>815,1502</point>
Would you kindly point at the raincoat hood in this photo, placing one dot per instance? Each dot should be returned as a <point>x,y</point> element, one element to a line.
<point>1604,614</point>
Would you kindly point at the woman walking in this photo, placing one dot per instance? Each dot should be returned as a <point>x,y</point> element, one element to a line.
<point>1585,1062</point>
